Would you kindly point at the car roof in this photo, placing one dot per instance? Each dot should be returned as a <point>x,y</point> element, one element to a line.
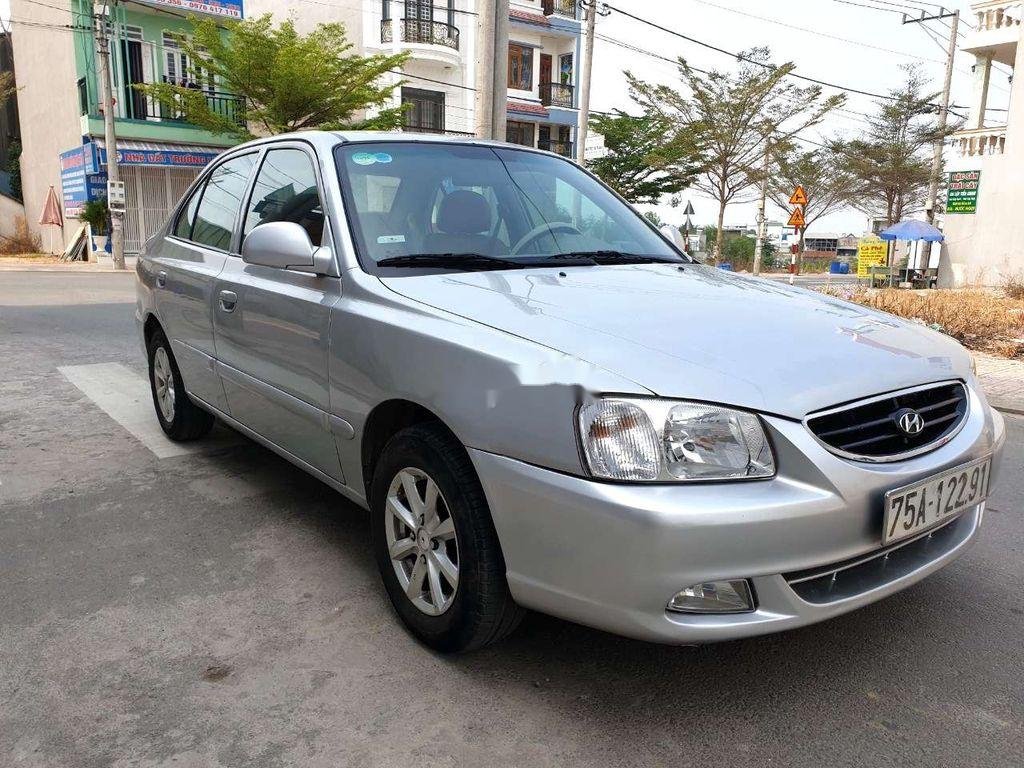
<point>326,140</point>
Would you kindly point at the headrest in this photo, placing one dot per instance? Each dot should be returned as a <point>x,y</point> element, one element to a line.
<point>464,213</point>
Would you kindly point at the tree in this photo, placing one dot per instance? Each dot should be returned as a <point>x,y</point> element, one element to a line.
<point>14,168</point>
<point>284,81</point>
<point>891,163</point>
<point>823,175</point>
<point>735,114</point>
<point>647,156</point>
<point>739,251</point>
<point>7,87</point>
<point>654,218</point>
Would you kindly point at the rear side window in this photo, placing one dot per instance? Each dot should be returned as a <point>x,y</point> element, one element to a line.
<point>221,201</point>
<point>286,190</point>
<point>183,227</point>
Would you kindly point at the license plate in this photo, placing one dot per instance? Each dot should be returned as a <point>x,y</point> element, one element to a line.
<point>927,503</point>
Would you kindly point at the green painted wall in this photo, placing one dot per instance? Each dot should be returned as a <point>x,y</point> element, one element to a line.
<point>153,23</point>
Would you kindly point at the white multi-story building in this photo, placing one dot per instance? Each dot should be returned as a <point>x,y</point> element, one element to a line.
<point>983,226</point>
<point>543,56</point>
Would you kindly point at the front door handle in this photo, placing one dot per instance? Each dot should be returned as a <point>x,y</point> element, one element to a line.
<point>161,279</point>
<point>228,299</point>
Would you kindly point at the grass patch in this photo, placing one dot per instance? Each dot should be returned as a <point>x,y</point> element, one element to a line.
<point>978,319</point>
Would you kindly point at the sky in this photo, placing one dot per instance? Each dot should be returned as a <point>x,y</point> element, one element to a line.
<point>835,40</point>
<point>802,31</point>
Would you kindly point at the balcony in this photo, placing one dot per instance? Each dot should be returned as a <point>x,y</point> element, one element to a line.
<point>561,7</point>
<point>981,141</point>
<point>563,148</point>
<point>997,31</point>
<point>421,31</point>
<point>557,95</point>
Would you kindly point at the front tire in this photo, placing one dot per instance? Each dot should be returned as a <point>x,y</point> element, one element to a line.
<point>435,543</point>
<point>179,417</point>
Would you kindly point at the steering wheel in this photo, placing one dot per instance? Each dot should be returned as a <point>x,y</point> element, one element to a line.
<point>533,234</point>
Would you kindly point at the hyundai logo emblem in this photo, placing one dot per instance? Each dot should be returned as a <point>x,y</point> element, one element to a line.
<point>909,421</point>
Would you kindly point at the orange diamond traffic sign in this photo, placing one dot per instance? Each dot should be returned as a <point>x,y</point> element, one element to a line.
<point>797,219</point>
<point>799,197</point>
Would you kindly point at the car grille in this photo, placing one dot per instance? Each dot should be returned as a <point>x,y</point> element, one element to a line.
<point>868,429</point>
<point>853,577</point>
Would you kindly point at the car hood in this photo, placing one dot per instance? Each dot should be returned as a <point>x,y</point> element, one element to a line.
<point>701,333</point>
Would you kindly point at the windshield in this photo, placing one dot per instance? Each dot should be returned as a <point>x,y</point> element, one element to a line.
<point>415,203</point>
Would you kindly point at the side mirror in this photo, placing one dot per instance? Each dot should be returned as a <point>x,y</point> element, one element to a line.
<point>285,245</point>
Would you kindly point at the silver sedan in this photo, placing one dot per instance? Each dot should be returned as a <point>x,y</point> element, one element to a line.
<point>546,405</point>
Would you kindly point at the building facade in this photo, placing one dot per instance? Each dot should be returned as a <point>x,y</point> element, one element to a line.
<point>983,228</point>
<point>159,153</point>
<point>543,61</point>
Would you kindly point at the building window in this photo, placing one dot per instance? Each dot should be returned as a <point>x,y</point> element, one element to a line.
<point>520,67</point>
<point>519,133</point>
<point>426,113</point>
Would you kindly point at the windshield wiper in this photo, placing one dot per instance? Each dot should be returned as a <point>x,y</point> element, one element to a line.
<point>467,261</point>
<point>617,257</point>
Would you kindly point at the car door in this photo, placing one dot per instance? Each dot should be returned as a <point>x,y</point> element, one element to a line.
<point>272,325</point>
<point>192,254</point>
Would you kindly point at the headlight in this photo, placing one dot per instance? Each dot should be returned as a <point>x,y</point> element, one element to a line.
<point>672,441</point>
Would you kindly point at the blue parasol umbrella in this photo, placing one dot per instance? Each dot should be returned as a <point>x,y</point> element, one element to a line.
<point>912,230</point>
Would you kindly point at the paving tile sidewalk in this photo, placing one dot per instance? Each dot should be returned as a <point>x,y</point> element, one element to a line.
<point>104,265</point>
<point>1003,381</point>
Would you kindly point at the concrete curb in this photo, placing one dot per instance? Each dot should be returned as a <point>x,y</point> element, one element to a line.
<point>1016,409</point>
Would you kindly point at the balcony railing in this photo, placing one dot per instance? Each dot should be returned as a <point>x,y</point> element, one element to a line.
<point>563,148</point>
<point>981,141</point>
<point>993,15</point>
<point>561,7</point>
<point>226,105</point>
<point>420,31</point>
<point>556,95</point>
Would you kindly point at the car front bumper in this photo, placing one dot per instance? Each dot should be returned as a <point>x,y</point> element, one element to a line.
<point>612,555</point>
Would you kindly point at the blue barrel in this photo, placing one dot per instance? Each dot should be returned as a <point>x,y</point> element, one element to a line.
<point>836,267</point>
<point>726,265</point>
<point>844,268</point>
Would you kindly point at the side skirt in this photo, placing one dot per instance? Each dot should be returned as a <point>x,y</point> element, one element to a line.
<point>344,490</point>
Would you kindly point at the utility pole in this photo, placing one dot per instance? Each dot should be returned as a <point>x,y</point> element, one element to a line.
<point>940,140</point>
<point>499,87</point>
<point>103,28</point>
<point>759,243</point>
<point>586,68</point>
<point>485,71</point>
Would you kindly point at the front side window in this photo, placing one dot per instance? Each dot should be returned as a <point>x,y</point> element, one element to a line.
<point>442,200</point>
<point>286,190</point>
<point>520,67</point>
<point>221,201</point>
<point>187,215</point>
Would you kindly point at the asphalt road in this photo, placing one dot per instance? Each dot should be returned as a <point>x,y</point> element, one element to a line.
<point>223,609</point>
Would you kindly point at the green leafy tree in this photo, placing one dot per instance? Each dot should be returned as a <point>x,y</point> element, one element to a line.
<point>654,218</point>
<point>7,87</point>
<point>890,164</point>
<point>13,167</point>
<point>648,157</point>
<point>284,81</point>
<point>735,114</point>
<point>739,251</point>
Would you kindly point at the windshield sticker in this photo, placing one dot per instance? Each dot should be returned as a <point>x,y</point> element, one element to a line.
<point>364,158</point>
<point>385,239</point>
<point>382,157</point>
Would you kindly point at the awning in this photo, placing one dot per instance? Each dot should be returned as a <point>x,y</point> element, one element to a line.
<point>166,154</point>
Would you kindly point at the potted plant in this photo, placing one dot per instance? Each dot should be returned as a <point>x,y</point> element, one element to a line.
<point>96,215</point>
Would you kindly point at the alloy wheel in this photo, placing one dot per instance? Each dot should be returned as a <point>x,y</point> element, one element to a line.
<point>163,381</point>
<point>421,541</point>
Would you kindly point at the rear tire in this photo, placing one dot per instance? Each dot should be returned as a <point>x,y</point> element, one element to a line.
<point>179,417</point>
<point>421,549</point>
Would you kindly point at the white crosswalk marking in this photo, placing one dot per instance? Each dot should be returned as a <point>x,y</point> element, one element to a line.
<point>125,397</point>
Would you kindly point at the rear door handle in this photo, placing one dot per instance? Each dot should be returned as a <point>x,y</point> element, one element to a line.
<point>161,279</point>
<point>228,299</point>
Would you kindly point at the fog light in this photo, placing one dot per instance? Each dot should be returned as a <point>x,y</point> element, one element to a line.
<point>714,597</point>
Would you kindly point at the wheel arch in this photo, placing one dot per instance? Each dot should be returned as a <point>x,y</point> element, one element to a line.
<point>387,419</point>
<point>150,326</point>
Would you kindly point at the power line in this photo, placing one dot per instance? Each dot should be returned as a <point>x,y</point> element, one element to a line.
<point>815,32</point>
<point>741,57</point>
